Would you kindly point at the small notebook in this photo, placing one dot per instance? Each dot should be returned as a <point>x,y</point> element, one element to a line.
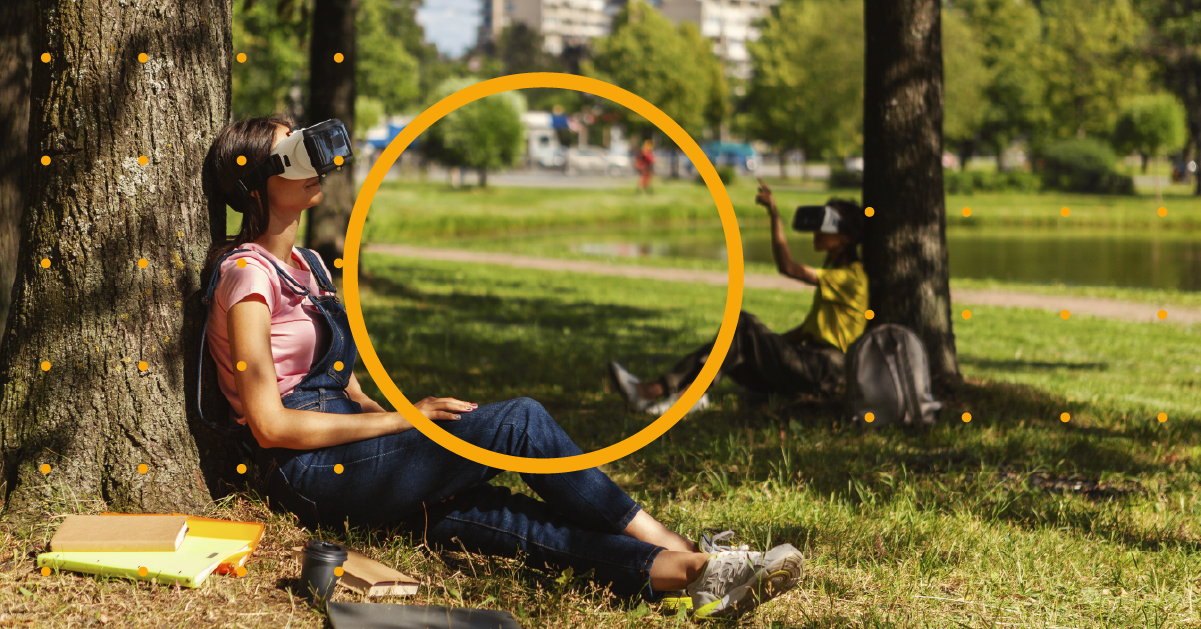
<point>387,616</point>
<point>196,558</point>
<point>99,533</point>
<point>370,577</point>
<point>249,532</point>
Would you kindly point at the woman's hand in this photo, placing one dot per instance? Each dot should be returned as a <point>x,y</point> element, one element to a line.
<point>765,197</point>
<point>444,407</point>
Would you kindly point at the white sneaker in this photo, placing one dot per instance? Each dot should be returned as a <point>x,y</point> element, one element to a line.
<point>661,407</point>
<point>736,582</point>
<point>710,545</point>
<point>627,385</point>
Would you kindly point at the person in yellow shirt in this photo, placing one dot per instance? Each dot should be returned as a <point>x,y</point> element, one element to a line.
<point>806,359</point>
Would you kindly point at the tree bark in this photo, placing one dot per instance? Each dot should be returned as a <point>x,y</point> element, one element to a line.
<point>94,313</point>
<point>331,95</point>
<point>15,60</point>
<point>905,249</point>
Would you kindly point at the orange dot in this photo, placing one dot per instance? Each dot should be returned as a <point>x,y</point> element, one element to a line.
<point>338,365</point>
<point>869,417</point>
<point>241,160</point>
<point>1064,417</point>
<point>1064,314</point>
<point>869,212</point>
<point>143,365</point>
<point>1163,314</point>
<point>967,211</point>
<point>1064,211</point>
<point>967,417</point>
<point>967,314</point>
<point>45,571</point>
<point>142,571</point>
<point>45,468</point>
<point>45,365</point>
<point>45,160</point>
<point>143,468</point>
<point>143,262</point>
<point>241,365</point>
<point>1162,417</point>
<point>241,571</point>
<point>45,263</point>
<point>45,57</point>
<point>869,315</point>
<point>241,263</point>
<point>143,57</point>
<point>338,263</point>
<point>338,468</point>
<point>241,57</point>
<point>338,160</point>
<point>338,57</point>
<point>142,160</point>
<point>338,571</point>
<point>1163,211</point>
<point>241,468</point>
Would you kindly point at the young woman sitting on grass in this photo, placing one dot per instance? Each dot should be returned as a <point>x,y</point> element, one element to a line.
<point>285,360</point>
<point>807,359</point>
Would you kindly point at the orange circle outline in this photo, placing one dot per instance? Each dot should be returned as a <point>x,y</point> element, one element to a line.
<point>354,309</point>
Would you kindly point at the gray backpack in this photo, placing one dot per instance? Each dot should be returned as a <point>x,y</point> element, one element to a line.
<point>888,376</point>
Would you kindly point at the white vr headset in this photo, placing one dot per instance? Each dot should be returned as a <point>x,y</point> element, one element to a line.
<point>308,152</point>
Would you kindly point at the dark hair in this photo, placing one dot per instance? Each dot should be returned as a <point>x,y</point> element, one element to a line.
<point>250,138</point>
<point>852,217</point>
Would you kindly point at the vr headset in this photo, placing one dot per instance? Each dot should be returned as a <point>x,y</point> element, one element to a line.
<point>308,152</point>
<point>818,218</point>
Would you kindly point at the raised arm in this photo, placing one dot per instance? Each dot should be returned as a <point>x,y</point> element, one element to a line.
<point>779,244</point>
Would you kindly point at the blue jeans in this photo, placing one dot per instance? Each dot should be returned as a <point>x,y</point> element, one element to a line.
<point>406,477</point>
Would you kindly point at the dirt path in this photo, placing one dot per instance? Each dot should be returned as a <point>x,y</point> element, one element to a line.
<point>1095,306</point>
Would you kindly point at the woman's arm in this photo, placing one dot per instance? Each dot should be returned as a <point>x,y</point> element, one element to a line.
<point>356,393</point>
<point>779,244</point>
<point>275,426</point>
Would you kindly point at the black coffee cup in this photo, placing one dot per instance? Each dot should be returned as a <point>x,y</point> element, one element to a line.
<point>317,570</point>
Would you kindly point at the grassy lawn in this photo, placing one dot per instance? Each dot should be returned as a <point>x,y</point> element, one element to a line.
<point>1013,519</point>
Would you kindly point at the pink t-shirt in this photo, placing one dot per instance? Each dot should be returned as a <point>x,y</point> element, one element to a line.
<point>299,333</point>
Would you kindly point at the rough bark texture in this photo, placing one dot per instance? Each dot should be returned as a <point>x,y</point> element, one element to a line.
<point>905,247</point>
<point>94,416</point>
<point>331,95</point>
<point>15,60</point>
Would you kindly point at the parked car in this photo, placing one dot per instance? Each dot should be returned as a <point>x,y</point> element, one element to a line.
<point>590,160</point>
<point>741,156</point>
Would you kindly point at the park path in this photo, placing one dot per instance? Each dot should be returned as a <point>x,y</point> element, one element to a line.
<point>1095,306</point>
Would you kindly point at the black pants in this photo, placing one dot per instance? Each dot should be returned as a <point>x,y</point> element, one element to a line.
<point>765,362</point>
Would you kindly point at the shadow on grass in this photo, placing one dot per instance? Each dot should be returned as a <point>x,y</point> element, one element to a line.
<point>1027,365</point>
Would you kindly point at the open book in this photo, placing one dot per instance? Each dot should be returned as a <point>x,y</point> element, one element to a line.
<point>370,577</point>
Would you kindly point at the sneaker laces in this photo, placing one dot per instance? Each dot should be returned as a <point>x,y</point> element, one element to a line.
<point>710,545</point>
<point>731,569</point>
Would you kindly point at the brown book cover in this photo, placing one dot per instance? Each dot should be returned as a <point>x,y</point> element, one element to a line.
<point>370,577</point>
<point>100,533</point>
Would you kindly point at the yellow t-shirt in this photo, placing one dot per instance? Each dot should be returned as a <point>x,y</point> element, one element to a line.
<point>838,306</point>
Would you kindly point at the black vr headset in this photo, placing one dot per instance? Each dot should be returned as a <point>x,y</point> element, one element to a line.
<point>309,152</point>
<point>825,219</point>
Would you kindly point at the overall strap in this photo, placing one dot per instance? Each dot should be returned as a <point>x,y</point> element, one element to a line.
<point>225,430</point>
<point>323,280</point>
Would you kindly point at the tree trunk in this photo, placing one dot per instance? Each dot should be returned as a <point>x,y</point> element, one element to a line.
<point>1145,158</point>
<point>483,178</point>
<point>15,60</point>
<point>905,247</point>
<point>966,149</point>
<point>783,163</point>
<point>331,95</point>
<point>94,313</point>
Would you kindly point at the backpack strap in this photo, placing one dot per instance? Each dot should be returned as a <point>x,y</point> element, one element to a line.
<point>913,405</point>
<point>894,370</point>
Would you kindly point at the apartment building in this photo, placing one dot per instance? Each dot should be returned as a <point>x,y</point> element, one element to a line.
<point>729,23</point>
<point>562,23</point>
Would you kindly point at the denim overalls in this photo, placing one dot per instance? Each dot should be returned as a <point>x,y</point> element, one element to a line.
<point>407,477</point>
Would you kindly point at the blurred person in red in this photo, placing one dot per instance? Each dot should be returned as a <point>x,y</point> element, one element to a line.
<point>645,163</point>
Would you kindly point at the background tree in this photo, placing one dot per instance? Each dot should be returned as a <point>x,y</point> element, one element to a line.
<point>1174,44</point>
<point>15,60</point>
<point>519,50</point>
<point>274,36</point>
<point>1152,125</point>
<point>332,73</point>
<point>717,97</point>
<point>807,88</point>
<point>385,70</point>
<point>485,134</point>
<point>93,213</point>
<point>648,56</point>
<point>905,246</point>
<point>965,79</point>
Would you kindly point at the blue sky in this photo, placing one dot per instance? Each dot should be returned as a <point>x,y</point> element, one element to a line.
<point>450,24</point>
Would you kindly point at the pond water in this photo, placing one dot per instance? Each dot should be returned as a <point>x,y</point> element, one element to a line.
<point>1140,259</point>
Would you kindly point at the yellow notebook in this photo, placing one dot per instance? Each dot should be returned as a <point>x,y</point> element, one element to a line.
<point>196,558</point>
<point>250,532</point>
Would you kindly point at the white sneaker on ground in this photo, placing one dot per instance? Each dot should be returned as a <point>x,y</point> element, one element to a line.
<point>709,544</point>
<point>661,407</point>
<point>627,385</point>
<point>736,581</point>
